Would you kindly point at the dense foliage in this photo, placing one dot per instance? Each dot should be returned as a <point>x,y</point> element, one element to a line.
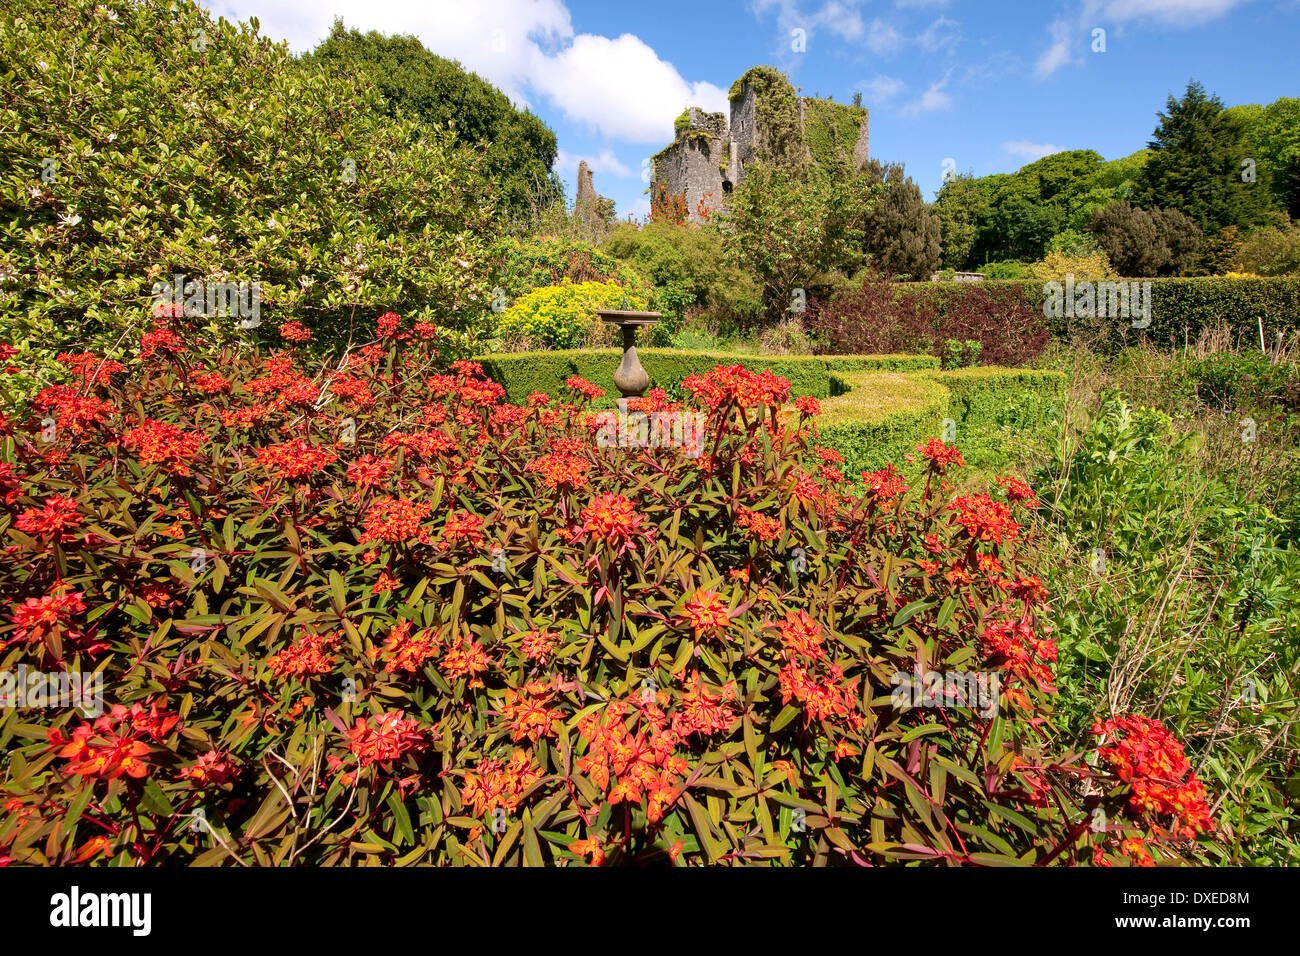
<point>149,139</point>
<point>518,149</point>
<point>563,316</point>
<point>901,233</point>
<point>482,638</point>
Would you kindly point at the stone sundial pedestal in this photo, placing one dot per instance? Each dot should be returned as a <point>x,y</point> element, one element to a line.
<point>630,378</point>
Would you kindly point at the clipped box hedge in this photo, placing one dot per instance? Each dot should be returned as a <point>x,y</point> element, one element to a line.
<point>522,373</point>
<point>875,408</point>
<point>884,416</point>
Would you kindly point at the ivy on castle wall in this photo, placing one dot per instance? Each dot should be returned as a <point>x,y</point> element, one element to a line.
<point>777,115</point>
<point>831,132</point>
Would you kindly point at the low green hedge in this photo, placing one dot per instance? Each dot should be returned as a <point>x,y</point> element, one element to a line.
<point>875,408</point>
<point>884,415</point>
<point>522,373</point>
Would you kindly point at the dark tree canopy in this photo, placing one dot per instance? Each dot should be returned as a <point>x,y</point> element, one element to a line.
<point>902,234</point>
<point>1139,242</point>
<point>519,149</point>
<point>1195,165</point>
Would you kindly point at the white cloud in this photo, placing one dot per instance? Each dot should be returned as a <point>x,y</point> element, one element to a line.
<point>1069,34</point>
<point>1030,151</point>
<point>934,98</point>
<point>883,39</point>
<point>1057,53</point>
<point>619,87</point>
<point>939,34</point>
<point>1170,12</point>
<point>604,163</point>
<point>880,90</point>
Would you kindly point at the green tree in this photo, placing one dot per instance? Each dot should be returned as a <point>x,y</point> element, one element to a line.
<point>787,231</point>
<point>1272,137</point>
<point>184,143</point>
<point>518,148</point>
<point>901,233</point>
<point>1195,165</point>
<point>1140,242</point>
<point>960,205</point>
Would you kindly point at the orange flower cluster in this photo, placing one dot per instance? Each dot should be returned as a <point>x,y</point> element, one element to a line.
<point>1147,757</point>
<point>630,763</point>
<point>584,388</point>
<point>463,527</point>
<point>211,770</point>
<point>884,485</point>
<point>706,613</point>
<point>392,736</point>
<point>759,525</point>
<point>737,385</point>
<point>116,743</point>
<point>528,714</point>
<point>538,644</point>
<point>309,654</point>
<point>1015,647</point>
<point>404,652</point>
<point>702,713</point>
<point>395,520</point>
<point>295,332</point>
<point>295,459</point>
<point>367,471</point>
<point>493,784</point>
<point>942,455</point>
<point>161,443</point>
<point>73,412</point>
<point>1019,492</point>
<point>465,659</point>
<point>209,383</point>
<point>985,519</point>
<point>561,470</point>
<point>53,521</point>
<point>613,519</point>
<point>39,619</point>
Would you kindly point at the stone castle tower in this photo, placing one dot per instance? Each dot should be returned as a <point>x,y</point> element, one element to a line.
<point>709,156</point>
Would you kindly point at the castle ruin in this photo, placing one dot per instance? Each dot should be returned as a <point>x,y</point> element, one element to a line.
<point>768,122</point>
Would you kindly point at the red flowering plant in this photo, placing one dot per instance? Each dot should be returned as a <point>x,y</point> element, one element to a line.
<point>372,612</point>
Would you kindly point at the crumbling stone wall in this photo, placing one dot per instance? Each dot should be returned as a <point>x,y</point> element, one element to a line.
<point>710,156</point>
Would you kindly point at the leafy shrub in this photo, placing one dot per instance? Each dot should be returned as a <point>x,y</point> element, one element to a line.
<point>959,354</point>
<point>1180,307</point>
<point>479,636</point>
<point>1176,597</point>
<point>688,268</point>
<point>878,417</point>
<point>522,265</point>
<point>165,173</point>
<point>1246,380</point>
<point>1004,269</point>
<point>877,315</point>
<point>561,316</point>
<point>1272,251</point>
<point>1056,265</point>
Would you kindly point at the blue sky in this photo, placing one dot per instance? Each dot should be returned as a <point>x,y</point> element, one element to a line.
<point>988,84</point>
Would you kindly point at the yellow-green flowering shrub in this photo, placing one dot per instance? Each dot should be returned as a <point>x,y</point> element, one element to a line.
<point>563,316</point>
